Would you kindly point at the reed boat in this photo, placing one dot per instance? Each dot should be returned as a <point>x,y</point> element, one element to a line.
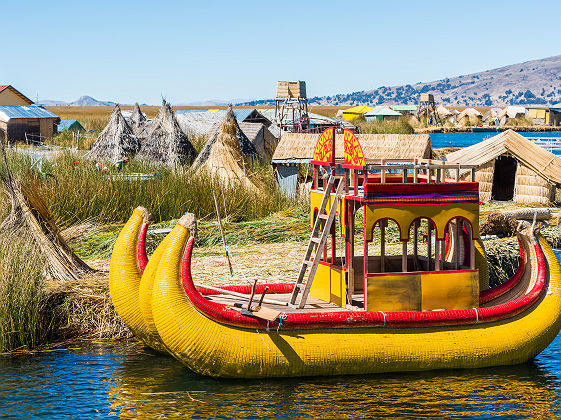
<point>354,310</point>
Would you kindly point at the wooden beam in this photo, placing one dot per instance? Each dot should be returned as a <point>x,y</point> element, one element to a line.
<point>382,246</point>
<point>457,243</point>
<point>429,245</point>
<point>436,255</point>
<point>415,238</point>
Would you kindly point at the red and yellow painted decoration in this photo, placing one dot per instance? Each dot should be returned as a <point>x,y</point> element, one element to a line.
<point>354,157</point>
<point>324,151</point>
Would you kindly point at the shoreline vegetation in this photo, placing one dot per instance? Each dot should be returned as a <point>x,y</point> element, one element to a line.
<point>90,206</point>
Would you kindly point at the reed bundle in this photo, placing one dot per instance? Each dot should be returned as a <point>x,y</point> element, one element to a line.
<point>30,217</point>
<point>116,141</point>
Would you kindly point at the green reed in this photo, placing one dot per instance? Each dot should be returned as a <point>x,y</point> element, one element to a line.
<point>22,295</point>
<point>78,191</point>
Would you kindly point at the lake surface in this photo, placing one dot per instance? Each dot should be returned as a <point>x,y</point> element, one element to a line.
<point>129,381</point>
<point>440,140</point>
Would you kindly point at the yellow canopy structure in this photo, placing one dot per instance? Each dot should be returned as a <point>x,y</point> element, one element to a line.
<point>356,112</point>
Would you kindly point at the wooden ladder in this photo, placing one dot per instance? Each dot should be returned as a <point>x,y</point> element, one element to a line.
<point>317,239</point>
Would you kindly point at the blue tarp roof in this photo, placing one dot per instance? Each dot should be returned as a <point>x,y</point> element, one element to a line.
<point>8,112</point>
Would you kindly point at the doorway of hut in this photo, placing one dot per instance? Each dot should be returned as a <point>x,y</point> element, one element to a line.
<point>503,178</point>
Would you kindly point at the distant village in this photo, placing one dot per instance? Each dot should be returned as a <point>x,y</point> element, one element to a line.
<point>23,120</point>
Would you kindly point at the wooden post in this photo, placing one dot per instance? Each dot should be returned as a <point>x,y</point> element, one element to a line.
<point>436,254</point>
<point>365,258</point>
<point>415,238</point>
<point>429,245</point>
<point>429,171</point>
<point>415,177</point>
<point>383,171</point>
<point>442,254</point>
<point>457,243</point>
<point>458,173</point>
<point>382,246</point>
<point>355,182</point>
<point>404,257</point>
<point>404,169</point>
<point>438,175</point>
<point>350,238</point>
<point>315,183</point>
<point>222,233</point>
<point>472,174</point>
<point>471,249</point>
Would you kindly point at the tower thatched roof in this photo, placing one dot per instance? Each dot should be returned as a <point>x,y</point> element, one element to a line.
<point>117,139</point>
<point>225,154</point>
<point>163,141</point>
<point>137,119</point>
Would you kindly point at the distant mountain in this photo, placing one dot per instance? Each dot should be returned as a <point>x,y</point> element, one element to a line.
<point>533,82</point>
<point>81,101</point>
<point>89,101</point>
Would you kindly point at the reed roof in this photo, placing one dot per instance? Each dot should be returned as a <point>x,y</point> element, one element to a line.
<point>262,138</point>
<point>225,154</point>
<point>470,112</point>
<point>544,163</point>
<point>163,141</point>
<point>137,119</point>
<point>116,141</point>
<point>299,148</point>
<point>443,112</point>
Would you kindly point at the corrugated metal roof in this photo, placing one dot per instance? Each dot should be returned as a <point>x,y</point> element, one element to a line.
<point>8,112</point>
<point>242,114</point>
<point>64,125</point>
<point>404,107</point>
<point>383,111</point>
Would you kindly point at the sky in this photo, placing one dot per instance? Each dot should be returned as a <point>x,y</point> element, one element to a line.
<point>185,52</point>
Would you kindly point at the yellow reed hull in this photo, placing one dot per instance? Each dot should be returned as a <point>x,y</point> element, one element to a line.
<point>214,349</point>
<point>125,280</point>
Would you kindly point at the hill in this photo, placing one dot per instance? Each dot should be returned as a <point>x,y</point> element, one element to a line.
<point>81,101</point>
<point>535,82</point>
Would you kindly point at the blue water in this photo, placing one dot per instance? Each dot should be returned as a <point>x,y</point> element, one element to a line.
<point>98,380</point>
<point>440,140</point>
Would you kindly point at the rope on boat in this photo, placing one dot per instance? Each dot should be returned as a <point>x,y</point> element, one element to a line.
<point>262,339</point>
<point>384,315</point>
<point>476,316</point>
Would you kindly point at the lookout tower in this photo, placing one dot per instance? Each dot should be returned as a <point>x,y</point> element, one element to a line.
<point>427,108</point>
<point>291,106</point>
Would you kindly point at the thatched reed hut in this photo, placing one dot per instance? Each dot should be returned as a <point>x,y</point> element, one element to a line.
<point>510,167</point>
<point>469,116</point>
<point>263,139</point>
<point>225,154</point>
<point>162,140</point>
<point>137,119</point>
<point>296,149</point>
<point>116,141</point>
